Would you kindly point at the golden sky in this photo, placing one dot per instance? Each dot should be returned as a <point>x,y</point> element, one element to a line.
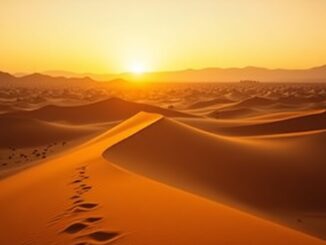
<point>104,36</point>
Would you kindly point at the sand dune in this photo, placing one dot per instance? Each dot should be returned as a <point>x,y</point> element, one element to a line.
<point>295,100</point>
<point>244,108</point>
<point>233,113</point>
<point>303,123</point>
<point>241,172</point>
<point>246,167</point>
<point>224,126</point>
<point>260,106</point>
<point>4,109</point>
<point>255,102</point>
<point>93,202</point>
<point>26,132</point>
<point>25,141</point>
<point>284,115</point>
<point>206,103</point>
<point>108,110</point>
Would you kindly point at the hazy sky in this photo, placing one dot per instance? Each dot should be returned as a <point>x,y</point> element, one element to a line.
<point>106,36</point>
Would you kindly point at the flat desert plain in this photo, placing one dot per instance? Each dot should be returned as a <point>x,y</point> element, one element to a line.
<point>237,163</point>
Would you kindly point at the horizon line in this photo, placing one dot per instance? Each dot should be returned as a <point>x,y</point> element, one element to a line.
<point>15,73</point>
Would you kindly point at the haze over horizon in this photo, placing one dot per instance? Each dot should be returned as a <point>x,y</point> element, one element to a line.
<point>137,36</point>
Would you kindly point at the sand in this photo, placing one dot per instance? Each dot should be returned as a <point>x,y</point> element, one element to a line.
<point>129,171</point>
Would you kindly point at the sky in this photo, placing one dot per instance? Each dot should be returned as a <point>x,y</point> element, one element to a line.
<point>113,36</point>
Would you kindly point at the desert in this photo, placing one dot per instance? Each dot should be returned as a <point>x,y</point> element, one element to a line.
<point>163,122</point>
<point>129,170</point>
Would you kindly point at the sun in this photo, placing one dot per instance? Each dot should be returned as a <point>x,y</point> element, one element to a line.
<point>138,68</point>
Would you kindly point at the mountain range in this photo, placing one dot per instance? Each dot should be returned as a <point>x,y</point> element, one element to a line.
<point>316,74</point>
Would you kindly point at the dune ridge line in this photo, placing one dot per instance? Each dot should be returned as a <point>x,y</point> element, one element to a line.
<point>126,129</point>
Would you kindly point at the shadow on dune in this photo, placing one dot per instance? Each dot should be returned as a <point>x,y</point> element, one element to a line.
<point>28,132</point>
<point>298,124</point>
<point>277,177</point>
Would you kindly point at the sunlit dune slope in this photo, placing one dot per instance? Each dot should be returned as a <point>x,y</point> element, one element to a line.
<point>81,198</point>
<point>108,110</point>
<point>245,126</point>
<point>272,175</point>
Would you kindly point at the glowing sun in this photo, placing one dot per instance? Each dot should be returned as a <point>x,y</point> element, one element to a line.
<point>138,68</point>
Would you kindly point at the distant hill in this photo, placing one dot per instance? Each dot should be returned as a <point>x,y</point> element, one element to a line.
<point>6,77</point>
<point>37,79</point>
<point>97,77</point>
<point>45,79</point>
<point>316,74</point>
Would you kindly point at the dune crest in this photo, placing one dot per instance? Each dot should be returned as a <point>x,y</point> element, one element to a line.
<point>113,109</point>
<point>299,123</point>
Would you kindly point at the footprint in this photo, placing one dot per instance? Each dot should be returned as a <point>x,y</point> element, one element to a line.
<point>80,187</point>
<point>88,205</point>
<point>74,228</point>
<point>80,192</point>
<point>85,189</point>
<point>78,201</point>
<point>83,207</point>
<point>102,236</point>
<point>78,210</point>
<point>92,219</point>
<point>76,181</point>
<point>80,206</point>
<point>75,197</point>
